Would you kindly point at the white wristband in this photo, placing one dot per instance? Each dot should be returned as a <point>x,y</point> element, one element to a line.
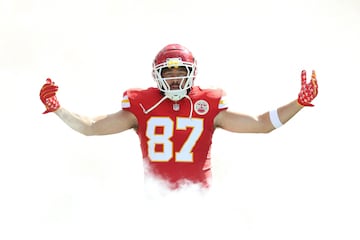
<point>274,118</point>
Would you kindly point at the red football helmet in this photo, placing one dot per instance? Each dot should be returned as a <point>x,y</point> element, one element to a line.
<point>174,55</point>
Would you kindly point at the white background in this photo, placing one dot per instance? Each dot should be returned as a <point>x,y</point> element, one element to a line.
<point>298,182</point>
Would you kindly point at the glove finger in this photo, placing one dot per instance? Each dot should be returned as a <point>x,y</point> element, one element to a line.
<point>48,90</point>
<point>303,77</point>
<point>314,82</point>
<point>313,75</point>
<point>47,94</point>
<point>48,87</point>
<point>49,81</point>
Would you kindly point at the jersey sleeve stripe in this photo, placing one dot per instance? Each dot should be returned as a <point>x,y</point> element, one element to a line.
<point>125,103</point>
<point>222,103</point>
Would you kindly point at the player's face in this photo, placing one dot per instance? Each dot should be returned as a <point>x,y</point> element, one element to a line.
<point>174,75</point>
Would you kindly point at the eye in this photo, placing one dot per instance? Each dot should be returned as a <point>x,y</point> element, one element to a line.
<point>166,73</point>
<point>174,72</point>
<point>183,72</point>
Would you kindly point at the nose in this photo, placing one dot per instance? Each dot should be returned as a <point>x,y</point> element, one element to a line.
<point>176,81</point>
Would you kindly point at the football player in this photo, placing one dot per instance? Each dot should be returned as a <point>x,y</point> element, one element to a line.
<point>176,120</point>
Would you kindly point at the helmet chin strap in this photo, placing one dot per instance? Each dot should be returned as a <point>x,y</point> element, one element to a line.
<point>191,106</point>
<point>154,106</point>
<point>146,111</point>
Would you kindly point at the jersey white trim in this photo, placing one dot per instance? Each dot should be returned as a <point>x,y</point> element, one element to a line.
<point>222,103</point>
<point>125,103</point>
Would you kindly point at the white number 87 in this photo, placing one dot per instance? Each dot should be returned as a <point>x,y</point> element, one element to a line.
<point>185,154</point>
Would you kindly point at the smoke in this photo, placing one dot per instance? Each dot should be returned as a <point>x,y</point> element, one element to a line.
<point>191,212</point>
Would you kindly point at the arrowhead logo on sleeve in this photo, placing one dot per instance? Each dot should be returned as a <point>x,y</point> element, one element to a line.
<point>201,107</point>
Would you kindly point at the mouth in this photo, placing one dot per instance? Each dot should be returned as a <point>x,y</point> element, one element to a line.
<point>175,87</point>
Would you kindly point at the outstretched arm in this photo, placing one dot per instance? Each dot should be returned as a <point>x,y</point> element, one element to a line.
<point>266,122</point>
<point>101,125</point>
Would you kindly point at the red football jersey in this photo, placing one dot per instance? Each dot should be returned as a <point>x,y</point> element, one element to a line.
<point>176,137</point>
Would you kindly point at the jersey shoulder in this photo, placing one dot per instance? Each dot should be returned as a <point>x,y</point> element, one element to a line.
<point>215,96</point>
<point>212,93</point>
<point>137,92</point>
<point>135,95</point>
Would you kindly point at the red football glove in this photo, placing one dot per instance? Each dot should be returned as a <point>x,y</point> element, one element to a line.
<point>48,96</point>
<point>308,90</point>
